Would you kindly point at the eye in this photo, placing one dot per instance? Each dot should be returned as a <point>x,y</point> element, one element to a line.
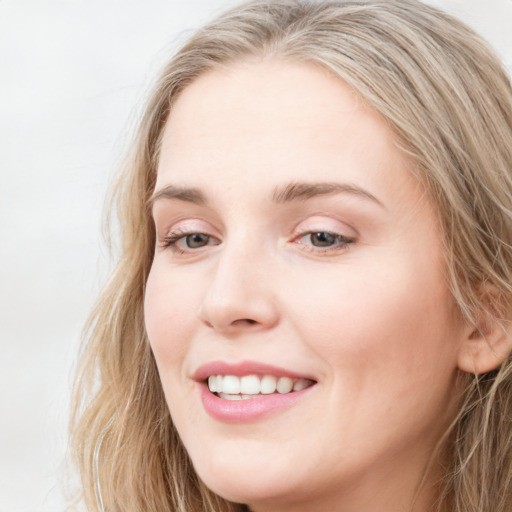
<point>196,240</point>
<point>181,242</point>
<point>324,241</point>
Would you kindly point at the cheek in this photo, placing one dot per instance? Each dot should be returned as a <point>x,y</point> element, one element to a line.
<point>167,314</point>
<point>390,343</point>
<point>380,320</point>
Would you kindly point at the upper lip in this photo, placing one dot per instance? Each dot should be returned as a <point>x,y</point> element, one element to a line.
<point>244,368</point>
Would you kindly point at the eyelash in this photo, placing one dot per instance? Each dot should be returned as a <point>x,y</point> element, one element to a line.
<point>172,239</point>
<point>340,241</point>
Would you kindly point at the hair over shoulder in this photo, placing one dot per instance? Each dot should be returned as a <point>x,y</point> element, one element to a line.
<point>444,92</point>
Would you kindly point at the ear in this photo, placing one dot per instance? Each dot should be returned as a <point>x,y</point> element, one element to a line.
<point>488,342</point>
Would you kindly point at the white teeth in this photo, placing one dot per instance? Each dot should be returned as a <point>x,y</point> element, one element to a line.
<point>250,385</point>
<point>212,383</point>
<point>284,385</point>
<point>231,387</point>
<point>300,384</point>
<point>268,384</point>
<point>227,396</point>
<point>235,397</point>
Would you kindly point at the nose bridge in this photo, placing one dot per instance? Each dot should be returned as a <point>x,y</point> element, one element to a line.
<point>240,292</point>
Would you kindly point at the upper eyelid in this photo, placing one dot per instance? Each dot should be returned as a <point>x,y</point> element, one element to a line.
<point>318,223</point>
<point>186,226</point>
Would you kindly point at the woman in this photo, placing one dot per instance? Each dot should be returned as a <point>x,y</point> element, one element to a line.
<point>311,309</point>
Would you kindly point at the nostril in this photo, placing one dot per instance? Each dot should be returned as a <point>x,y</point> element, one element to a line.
<point>246,321</point>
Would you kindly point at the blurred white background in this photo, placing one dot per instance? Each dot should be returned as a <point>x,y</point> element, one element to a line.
<point>72,73</point>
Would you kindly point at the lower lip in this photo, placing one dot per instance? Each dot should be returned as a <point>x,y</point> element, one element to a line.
<point>252,409</point>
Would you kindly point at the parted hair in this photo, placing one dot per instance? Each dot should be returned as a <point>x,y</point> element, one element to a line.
<point>446,95</point>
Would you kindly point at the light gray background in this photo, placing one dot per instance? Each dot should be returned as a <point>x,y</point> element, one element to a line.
<point>71,75</point>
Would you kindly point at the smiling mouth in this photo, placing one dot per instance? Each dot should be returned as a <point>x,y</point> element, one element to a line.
<point>231,387</point>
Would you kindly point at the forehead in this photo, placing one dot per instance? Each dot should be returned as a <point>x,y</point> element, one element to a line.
<point>269,121</point>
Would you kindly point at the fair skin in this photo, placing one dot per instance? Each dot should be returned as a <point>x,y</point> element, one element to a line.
<point>340,286</point>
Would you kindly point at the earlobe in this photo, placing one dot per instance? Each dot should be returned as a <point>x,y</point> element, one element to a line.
<point>488,342</point>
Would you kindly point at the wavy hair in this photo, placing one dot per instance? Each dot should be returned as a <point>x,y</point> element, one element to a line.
<point>444,92</point>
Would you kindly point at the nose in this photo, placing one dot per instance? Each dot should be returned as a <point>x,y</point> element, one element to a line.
<point>241,295</point>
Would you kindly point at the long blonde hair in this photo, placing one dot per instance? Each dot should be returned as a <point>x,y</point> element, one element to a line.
<point>444,92</point>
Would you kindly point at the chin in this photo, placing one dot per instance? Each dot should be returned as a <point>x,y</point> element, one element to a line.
<point>249,484</point>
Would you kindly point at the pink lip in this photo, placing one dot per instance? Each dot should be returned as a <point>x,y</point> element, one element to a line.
<point>253,409</point>
<point>245,411</point>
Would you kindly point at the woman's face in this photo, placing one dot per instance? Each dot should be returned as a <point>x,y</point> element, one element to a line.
<point>296,249</point>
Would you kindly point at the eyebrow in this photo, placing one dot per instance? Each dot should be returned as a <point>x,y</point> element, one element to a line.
<point>285,194</point>
<point>190,195</point>
<point>304,191</point>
